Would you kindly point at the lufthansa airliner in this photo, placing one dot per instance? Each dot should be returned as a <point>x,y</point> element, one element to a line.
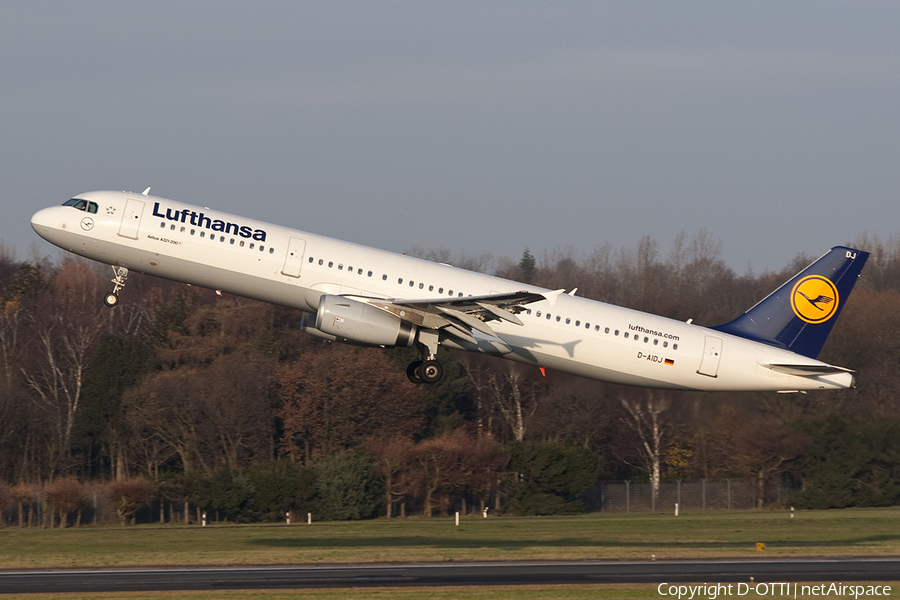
<point>358,295</point>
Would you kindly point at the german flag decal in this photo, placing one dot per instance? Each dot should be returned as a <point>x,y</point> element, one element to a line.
<point>669,362</point>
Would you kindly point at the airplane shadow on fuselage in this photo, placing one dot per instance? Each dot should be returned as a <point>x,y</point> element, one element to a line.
<point>521,345</point>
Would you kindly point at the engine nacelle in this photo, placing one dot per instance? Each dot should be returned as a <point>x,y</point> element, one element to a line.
<point>350,321</point>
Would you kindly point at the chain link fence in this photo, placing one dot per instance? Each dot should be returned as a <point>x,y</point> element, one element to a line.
<point>627,496</point>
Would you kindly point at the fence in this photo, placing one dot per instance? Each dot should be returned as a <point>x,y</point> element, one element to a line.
<point>626,496</point>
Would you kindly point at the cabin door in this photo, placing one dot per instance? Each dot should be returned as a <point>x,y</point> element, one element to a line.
<point>712,352</point>
<point>294,259</point>
<point>131,218</point>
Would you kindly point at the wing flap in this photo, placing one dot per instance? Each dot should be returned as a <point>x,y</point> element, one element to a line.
<point>461,316</point>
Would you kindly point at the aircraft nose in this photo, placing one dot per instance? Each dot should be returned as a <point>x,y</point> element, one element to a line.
<point>43,222</point>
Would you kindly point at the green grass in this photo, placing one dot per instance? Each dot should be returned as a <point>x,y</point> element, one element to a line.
<point>856,532</point>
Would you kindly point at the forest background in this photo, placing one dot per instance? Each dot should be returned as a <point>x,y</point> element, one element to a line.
<point>185,401</point>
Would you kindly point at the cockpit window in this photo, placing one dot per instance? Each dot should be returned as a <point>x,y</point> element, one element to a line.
<point>84,205</point>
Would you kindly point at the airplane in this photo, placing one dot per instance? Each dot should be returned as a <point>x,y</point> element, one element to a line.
<point>367,297</point>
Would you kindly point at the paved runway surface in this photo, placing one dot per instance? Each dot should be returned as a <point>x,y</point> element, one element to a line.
<point>450,574</point>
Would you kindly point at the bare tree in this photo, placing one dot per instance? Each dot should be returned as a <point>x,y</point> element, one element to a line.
<point>505,390</point>
<point>64,331</point>
<point>392,463</point>
<point>643,415</point>
<point>338,396</point>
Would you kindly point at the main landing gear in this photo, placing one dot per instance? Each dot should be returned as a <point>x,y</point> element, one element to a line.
<point>425,369</point>
<point>112,298</point>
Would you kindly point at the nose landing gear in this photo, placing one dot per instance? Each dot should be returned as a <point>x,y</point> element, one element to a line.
<point>121,274</point>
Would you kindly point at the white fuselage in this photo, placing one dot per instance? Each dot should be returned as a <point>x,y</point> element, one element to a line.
<point>293,268</point>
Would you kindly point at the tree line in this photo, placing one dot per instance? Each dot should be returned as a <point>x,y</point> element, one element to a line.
<point>222,402</point>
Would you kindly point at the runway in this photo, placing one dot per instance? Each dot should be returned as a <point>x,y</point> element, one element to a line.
<point>450,574</point>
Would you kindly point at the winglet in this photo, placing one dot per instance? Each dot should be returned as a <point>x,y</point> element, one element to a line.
<point>145,192</point>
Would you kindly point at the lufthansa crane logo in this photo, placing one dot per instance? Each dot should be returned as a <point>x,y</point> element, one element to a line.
<point>814,299</point>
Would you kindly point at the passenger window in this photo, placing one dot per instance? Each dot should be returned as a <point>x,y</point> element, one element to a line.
<point>674,346</point>
<point>399,280</point>
<point>261,247</point>
<point>655,342</point>
<point>271,250</point>
<point>421,286</point>
<point>384,277</point>
<point>162,225</point>
<point>370,273</point>
<point>665,344</point>
<point>430,288</point>
<point>172,228</point>
<point>538,314</point>
<point>321,262</point>
<point>330,264</point>
<point>340,266</point>
<point>548,316</point>
<point>202,234</point>
<point>626,335</point>
<point>617,332</point>
<point>232,241</point>
<point>646,339</point>
<point>359,272</point>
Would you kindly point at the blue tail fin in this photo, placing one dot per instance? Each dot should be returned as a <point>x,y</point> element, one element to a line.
<point>800,314</point>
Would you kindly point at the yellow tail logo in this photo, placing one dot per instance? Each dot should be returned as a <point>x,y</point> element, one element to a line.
<point>814,299</point>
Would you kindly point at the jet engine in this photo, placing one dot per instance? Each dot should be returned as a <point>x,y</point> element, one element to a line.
<point>349,321</point>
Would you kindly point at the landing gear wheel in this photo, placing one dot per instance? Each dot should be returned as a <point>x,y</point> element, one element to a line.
<point>412,371</point>
<point>121,274</point>
<point>430,371</point>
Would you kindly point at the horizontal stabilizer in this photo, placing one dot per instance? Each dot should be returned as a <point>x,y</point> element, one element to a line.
<point>805,370</point>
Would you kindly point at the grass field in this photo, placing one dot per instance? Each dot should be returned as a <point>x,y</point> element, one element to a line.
<point>856,532</point>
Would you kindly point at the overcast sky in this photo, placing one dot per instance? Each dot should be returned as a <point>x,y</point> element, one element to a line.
<point>476,127</point>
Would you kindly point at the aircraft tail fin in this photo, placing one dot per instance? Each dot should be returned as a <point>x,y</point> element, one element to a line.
<point>800,314</point>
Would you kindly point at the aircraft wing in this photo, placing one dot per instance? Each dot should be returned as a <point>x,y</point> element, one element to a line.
<point>459,316</point>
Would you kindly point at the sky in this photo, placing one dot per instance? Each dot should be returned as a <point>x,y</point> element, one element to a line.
<point>471,127</point>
